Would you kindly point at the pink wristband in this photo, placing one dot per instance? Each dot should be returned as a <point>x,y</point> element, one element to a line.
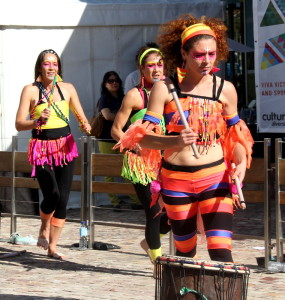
<point>233,188</point>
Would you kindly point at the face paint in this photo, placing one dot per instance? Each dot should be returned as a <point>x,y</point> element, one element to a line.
<point>50,62</point>
<point>202,55</point>
<point>156,63</point>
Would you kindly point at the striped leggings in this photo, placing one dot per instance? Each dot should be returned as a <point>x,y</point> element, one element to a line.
<point>187,189</point>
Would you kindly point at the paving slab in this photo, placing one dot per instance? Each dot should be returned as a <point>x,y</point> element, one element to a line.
<point>119,274</point>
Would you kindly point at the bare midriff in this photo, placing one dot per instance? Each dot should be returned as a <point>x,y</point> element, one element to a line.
<point>185,156</point>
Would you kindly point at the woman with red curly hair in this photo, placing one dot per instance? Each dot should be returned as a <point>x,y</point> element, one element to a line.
<point>196,184</point>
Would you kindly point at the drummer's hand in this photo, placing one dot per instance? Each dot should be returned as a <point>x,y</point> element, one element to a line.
<point>236,202</point>
<point>187,137</point>
<point>239,171</point>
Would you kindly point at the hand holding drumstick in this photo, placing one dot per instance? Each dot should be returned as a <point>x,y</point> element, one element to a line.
<point>238,189</point>
<point>182,117</point>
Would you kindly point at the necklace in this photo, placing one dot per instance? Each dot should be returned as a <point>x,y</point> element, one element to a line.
<point>146,91</point>
<point>50,100</point>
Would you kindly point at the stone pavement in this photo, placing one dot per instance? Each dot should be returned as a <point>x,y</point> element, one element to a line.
<point>121,274</point>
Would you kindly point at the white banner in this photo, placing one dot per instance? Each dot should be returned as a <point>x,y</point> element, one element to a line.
<point>269,36</point>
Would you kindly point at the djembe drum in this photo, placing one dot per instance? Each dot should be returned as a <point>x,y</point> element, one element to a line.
<point>185,278</point>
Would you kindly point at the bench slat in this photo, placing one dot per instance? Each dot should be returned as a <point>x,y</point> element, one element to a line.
<point>282,171</point>
<point>112,188</point>
<point>5,181</point>
<point>107,164</point>
<point>256,172</point>
<point>5,161</point>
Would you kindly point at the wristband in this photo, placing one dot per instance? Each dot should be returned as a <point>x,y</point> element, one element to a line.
<point>233,188</point>
<point>39,122</point>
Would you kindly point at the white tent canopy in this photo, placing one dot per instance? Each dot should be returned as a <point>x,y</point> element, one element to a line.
<point>91,37</point>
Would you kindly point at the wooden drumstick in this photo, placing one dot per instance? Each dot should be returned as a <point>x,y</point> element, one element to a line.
<point>239,190</point>
<point>182,117</point>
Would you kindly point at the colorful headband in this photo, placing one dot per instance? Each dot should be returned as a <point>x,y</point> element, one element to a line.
<point>146,52</point>
<point>194,30</point>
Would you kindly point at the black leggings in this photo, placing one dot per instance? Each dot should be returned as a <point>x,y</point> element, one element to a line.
<point>55,185</point>
<point>155,225</point>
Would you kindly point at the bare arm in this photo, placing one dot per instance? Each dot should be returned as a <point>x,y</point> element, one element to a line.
<point>27,96</point>
<point>77,109</point>
<point>229,98</point>
<point>131,100</point>
<point>108,115</point>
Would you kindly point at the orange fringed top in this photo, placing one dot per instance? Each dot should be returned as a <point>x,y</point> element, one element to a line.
<point>205,118</point>
<point>238,133</point>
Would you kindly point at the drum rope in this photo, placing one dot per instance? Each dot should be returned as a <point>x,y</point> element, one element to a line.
<point>233,285</point>
<point>184,289</point>
<point>172,278</point>
<point>229,280</point>
<point>202,277</point>
<point>158,279</point>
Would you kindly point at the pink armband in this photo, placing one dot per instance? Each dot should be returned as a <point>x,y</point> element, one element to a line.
<point>233,188</point>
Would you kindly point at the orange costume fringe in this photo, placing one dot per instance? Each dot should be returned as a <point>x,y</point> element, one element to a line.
<point>205,117</point>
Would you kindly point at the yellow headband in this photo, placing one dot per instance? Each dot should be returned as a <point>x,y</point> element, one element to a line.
<point>146,52</point>
<point>194,30</point>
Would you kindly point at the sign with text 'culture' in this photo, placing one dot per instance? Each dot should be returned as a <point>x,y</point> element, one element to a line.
<point>269,36</point>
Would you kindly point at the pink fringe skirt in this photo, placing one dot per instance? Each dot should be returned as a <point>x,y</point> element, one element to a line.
<point>52,152</point>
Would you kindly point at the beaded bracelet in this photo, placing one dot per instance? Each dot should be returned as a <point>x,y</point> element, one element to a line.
<point>81,124</point>
<point>40,122</point>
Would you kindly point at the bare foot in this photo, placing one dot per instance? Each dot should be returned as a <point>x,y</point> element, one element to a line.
<point>56,255</point>
<point>43,239</point>
<point>145,247</point>
<point>42,243</point>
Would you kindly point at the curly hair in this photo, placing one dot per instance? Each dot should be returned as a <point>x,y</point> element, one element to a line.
<point>169,39</point>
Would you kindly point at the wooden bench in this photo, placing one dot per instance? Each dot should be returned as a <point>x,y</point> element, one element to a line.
<point>106,165</point>
<point>253,188</point>
<point>13,167</point>
<point>109,165</point>
<point>254,182</point>
<point>21,165</point>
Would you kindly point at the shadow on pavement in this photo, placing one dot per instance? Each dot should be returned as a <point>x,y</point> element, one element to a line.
<point>31,260</point>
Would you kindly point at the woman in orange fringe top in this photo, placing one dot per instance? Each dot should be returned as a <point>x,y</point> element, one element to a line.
<point>195,185</point>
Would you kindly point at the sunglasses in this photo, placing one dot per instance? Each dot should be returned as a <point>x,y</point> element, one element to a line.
<point>112,80</point>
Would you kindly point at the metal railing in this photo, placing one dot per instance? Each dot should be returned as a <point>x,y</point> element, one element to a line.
<point>278,190</point>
